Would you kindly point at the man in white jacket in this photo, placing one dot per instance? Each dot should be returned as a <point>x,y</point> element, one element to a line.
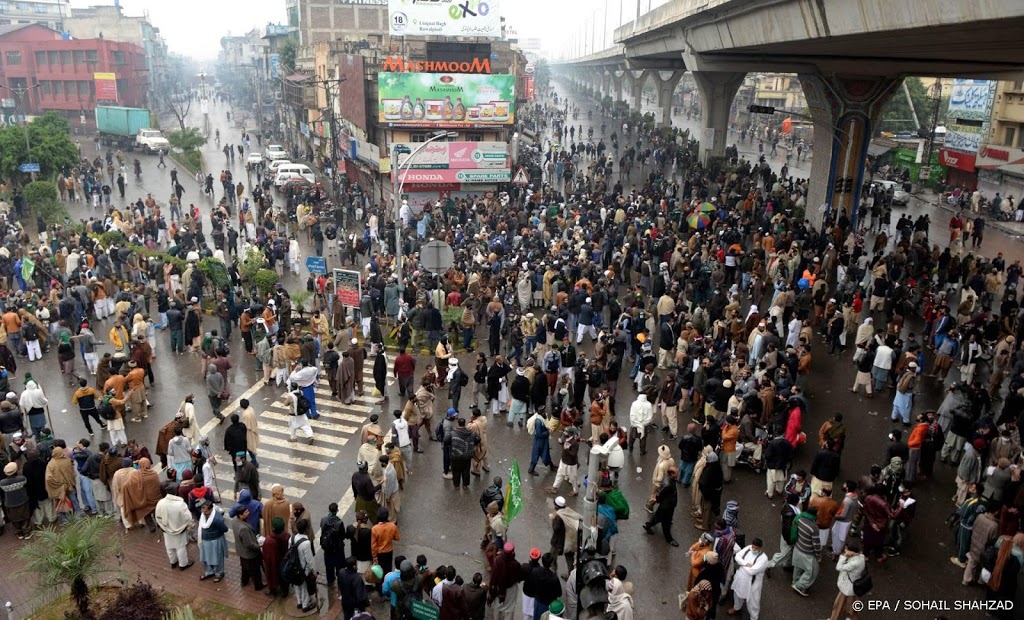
<point>641,413</point>
<point>174,519</point>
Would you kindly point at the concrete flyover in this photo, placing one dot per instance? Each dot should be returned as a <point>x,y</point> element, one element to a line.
<point>851,56</point>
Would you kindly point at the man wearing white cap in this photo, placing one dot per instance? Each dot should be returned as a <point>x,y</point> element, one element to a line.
<point>585,321</point>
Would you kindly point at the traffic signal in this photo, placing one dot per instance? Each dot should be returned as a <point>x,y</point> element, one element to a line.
<point>838,188</point>
<point>594,580</point>
<point>849,185</point>
<point>761,109</point>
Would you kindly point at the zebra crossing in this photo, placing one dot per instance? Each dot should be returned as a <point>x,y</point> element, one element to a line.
<point>297,466</point>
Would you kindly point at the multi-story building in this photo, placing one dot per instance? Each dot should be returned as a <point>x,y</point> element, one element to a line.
<point>110,22</point>
<point>337,20</point>
<point>1000,160</point>
<point>49,13</point>
<point>40,71</point>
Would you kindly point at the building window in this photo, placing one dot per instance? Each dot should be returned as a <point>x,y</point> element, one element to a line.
<point>65,57</point>
<point>13,58</point>
<point>42,8</point>
<point>44,87</point>
<point>473,137</point>
<point>58,87</point>
<point>91,56</point>
<point>4,8</point>
<point>53,57</point>
<point>40,58</point>
<point>418,137</point>
<point>79,57</point>
<point>119,58</point>
<point>1011,136</point>
<point>23,6</point>
<point>83,88</point>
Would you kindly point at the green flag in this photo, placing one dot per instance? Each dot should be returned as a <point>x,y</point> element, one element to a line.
<point>513,494</point>
<point>28,267</point>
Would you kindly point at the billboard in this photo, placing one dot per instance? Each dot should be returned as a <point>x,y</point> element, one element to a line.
<point>432,177</point>
<point>445,101</point>
<point>106,86</point>
<point>456,155</point>
<point>449,18</point>
<point>970,104</point>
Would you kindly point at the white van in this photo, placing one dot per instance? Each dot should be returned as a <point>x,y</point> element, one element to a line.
<point>291,171</point>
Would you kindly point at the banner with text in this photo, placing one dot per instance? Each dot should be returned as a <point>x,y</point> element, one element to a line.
<point>448,18</point>
<point>970,104</point>
<point>432,177</point>
<point>446,101</point>
<point>455,156</point>
<point>106,86</point>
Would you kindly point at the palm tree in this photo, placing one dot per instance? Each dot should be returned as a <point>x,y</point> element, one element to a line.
<point>70,555</point>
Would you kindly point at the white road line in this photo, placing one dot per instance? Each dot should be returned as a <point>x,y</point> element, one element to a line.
<point>302,446</point>
<point>294,476</point>
<point>288,458</point>
<point>316,424</point>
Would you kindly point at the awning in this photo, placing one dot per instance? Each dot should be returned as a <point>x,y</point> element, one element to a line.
<point>875,150</point>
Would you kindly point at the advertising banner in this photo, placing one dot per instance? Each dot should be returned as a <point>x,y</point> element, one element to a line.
<point>453,176</point>
<point>106,86</point>
<point>954,159</point>
<point>970,105</point>
<point>456,156</point>
<point>445,101</point>
<point>348,287</point>
<point>448,18</point>
<point>1004,158</point>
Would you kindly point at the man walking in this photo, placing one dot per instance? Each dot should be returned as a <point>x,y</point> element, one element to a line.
<point>751,564</point>
<point>805,552</point>
<point>666,500</point>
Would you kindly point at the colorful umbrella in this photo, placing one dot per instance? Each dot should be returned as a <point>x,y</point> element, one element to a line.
<point>698,220</point>
<point>707,207</point>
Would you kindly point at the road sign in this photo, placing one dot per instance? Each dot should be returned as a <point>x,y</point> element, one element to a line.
<point>316,264</point>
<point>437,257</point>
<point>347,287</point>
<point>521,178</point>
<point>28,168</point>
<point>422,610</point>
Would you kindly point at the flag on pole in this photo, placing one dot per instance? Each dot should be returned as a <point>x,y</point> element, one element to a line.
<point>28,267</point>
<point>513,494</point>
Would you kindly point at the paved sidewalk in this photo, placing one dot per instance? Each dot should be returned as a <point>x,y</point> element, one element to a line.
<point>144,558</point>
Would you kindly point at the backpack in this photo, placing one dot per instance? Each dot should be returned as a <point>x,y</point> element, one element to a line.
<point>551,361</point>
<point>106,409</point>
<point>463,379</point>
<point>291,568</point>
<point>302,406</point>
<point>788,526</point>
<point>331,537</point>
<point>30,331</point>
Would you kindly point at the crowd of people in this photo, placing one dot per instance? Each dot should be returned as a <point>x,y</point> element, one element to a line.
<point>667,304</point>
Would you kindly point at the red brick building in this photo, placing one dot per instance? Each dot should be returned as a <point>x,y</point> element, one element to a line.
<point>41,71</point>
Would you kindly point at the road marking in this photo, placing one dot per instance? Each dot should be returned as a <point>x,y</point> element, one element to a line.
<point>288,458</point>
<point>294,476</point>
<point>302,446</point>
<point>316,424</point>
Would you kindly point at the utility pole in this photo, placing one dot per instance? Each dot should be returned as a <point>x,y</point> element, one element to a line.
<point>204,103</point>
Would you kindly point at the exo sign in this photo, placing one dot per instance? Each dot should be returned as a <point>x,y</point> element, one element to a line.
<point>452,18</point>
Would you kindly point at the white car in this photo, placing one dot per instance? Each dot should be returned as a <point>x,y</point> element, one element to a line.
<point>274,152</point>
<point>253,159</point>
<point>899,197</point>
<point>277,163</point>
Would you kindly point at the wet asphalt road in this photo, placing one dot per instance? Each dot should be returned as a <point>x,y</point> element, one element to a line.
<point>446,524</point>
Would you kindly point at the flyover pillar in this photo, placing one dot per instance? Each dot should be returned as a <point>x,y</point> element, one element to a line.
<point>636,89</point>
<point>717,90</point>
<point>617,87</point>
<point>845,110</point>
<point>666,88</point>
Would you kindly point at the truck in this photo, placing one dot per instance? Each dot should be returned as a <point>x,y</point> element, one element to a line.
<point>119,126</point>
<point>152,141</point>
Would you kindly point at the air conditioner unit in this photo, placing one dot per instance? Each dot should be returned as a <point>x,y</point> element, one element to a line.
<point>278,96</point>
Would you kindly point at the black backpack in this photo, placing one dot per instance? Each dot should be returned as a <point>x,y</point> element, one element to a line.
<point>463,379</point>
<point>291,568</point>
<point>332,538</point>
<point>302,406</point>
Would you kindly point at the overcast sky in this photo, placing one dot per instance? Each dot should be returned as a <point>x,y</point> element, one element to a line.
<point>194,27</point>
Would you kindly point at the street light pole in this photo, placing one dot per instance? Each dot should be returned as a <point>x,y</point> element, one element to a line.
<point>396,190</point>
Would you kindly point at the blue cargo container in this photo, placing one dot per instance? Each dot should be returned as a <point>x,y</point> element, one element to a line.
<point>119,125</point>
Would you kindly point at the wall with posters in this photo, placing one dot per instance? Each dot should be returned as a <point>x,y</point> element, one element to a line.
<point>465,18</point>
<point>445,101</point>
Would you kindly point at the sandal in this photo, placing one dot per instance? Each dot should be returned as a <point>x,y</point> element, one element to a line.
<point>218,578</point>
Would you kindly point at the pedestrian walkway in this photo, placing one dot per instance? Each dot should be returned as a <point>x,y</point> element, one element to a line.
<point>297,466</point>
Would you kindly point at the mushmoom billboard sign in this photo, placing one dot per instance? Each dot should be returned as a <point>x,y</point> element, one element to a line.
<point>445,101</point>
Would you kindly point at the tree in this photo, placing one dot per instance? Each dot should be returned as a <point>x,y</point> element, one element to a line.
<point>50,146</point>
<point>179,106</point>
<point>897,115</point>
<point>41,197</point>
<point>187,139</point>
<point>71,555</point>
<point>542,73</point>
<point>288,51</point>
